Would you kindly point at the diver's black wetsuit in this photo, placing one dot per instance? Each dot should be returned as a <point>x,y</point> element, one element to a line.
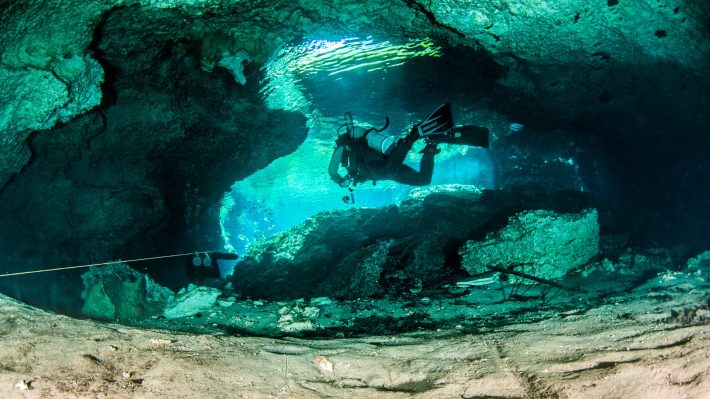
<point>369,164</point>
<point>392,167</point>
<point>375,157</point>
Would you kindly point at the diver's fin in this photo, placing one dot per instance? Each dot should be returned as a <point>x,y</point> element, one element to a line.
<point>472,135</point>
<point>440,121</point>
<point>464,135</point>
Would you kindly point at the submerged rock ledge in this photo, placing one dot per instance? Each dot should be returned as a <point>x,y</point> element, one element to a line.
<point>419,244</point>
<point>516,265</point>
<point>633,328</point>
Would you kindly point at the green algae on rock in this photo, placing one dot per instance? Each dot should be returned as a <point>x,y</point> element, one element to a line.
<point>544,244</point>
<point>116,292</point>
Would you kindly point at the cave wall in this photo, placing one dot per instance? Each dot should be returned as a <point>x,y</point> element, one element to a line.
<point>51,70</point>
<point>144,173</point>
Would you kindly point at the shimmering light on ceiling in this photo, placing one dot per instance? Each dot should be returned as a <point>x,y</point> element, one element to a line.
<point>281,85</point>
<point>353,53</point>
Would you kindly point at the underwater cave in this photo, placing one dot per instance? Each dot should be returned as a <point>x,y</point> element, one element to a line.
<point>172,181</point>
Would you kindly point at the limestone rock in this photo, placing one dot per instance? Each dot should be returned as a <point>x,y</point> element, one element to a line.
<point>545,244</point>
<point>296,318</point>
<point>547,30</point>
<point>191,301</point>
<point>117,292</point>
<point>610,350</point>
<point>422,192</point>
<point>235,65</point>
<point>294,259</point>
<point>46,73</point>
<point>700,262</point>
<point>394,250</point>
<point>69,88</point>
<point>109,180</point>
<point>365,278</point>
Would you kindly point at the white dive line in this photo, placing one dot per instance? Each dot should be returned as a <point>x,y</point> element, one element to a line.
<point>102,264</point>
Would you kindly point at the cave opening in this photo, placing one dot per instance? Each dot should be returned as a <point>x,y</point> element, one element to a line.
<point>210,141</point>
<point>375,81</point>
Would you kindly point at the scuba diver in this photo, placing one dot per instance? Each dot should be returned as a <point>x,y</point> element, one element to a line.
<point>202,268</point>
<point>369,154</point>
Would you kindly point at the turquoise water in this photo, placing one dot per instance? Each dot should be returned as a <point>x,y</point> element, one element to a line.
<point>366,76</point>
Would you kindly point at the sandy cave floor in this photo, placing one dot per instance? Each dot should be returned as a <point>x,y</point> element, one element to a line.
<point>650,346</point>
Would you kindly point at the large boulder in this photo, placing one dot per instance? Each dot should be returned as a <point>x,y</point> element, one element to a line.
<point>541,243</point>
<point>361,253</point>
<point>190,301</point>
<point>118,293</point>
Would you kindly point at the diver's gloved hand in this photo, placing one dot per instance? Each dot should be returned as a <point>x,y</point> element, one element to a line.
<point>345,183</point>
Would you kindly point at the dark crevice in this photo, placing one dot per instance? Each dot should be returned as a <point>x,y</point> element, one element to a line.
<point>108,91</point>
<point>432,18</point>
<point>33,151</point>
<point>7,183</point>
<point>602,55</point>
<point>33,156</point>
<point>453,258</point>
<point>104,124</point>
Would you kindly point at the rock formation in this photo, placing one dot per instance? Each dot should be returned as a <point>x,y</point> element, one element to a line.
<point>124,122</point>
<point>646,342</point>
<point>365,252</point>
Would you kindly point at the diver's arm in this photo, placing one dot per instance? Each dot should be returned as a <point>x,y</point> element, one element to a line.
<point>335,164</point>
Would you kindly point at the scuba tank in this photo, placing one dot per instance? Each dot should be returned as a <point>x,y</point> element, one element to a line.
<point>374,137</point>
<point>379,141</point>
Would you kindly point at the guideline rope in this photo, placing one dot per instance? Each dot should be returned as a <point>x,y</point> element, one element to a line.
<point>103,263</point>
